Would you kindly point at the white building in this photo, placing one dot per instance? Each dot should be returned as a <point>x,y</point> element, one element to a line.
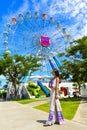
<point>84,90</point>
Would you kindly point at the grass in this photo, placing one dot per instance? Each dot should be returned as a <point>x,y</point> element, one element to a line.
<point>69,107</point>
<point>26,101</point>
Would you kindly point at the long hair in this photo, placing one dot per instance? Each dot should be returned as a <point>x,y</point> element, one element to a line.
<point>56,72</point>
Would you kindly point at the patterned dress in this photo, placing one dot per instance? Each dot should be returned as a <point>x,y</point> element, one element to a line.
<point>55,114</point>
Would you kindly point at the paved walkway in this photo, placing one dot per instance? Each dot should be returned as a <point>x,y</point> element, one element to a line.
<point>15,116</point>
<point>81,115</point>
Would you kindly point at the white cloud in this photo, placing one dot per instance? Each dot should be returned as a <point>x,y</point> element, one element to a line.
<point>44,1</point>
<point>37,7</point>
<point>75,10</point>
<point>24,7</point>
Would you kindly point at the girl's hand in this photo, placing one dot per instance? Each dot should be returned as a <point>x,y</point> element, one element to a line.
<point>56,96</point>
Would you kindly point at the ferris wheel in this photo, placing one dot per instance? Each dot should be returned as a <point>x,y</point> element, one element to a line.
<point>36,34</point>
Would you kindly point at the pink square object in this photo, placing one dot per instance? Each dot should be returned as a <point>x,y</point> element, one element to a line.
<point>45,41</point>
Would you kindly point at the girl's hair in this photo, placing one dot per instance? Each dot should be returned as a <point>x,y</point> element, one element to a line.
<point>57,74</point>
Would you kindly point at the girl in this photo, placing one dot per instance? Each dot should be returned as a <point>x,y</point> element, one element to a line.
<point>55,114</point>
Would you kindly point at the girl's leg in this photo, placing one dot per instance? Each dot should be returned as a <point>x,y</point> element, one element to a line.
<point>56,116</point>
<point>59,116</point>
<point>51,118</point>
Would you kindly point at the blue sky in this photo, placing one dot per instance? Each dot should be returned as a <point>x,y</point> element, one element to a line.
<point>71,14</point>
<point>8,7</point>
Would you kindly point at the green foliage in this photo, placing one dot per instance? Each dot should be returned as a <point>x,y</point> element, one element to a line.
<point>26,101</point>
<point>17,66</point>
<point>74,66</point>
<point>60,54</point>
<point>0,82</point>
<point>2,92</point>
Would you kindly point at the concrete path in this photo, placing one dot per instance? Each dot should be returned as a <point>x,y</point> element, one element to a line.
<point>81,115</point>
<point>15,116</point>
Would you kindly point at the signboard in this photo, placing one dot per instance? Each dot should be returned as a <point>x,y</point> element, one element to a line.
<point>45,41</point>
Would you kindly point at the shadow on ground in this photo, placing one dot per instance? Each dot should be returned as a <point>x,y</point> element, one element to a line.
<point>41,121</point>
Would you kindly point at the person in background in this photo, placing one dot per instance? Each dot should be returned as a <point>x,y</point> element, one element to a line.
<point>55,114</point>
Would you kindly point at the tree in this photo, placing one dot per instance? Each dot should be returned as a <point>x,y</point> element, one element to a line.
<point>74,65</point>
<point>17,66</point>
<point>0,83</point>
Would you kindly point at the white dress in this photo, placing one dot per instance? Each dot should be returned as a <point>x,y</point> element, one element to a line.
<point>55,114</point>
